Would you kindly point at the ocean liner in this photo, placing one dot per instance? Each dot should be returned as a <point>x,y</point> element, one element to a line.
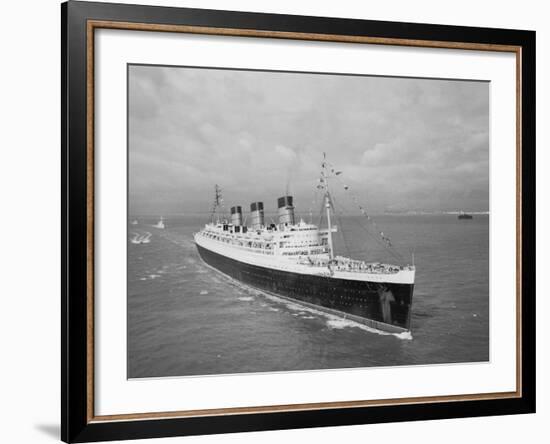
<point>296,260</point>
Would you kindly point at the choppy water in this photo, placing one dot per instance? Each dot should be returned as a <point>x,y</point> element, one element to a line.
<point>186,319</point>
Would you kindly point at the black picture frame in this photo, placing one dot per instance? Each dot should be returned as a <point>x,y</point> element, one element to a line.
<point>77,425</point>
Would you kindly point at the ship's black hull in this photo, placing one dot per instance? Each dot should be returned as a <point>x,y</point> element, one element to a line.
<point>383,306</point>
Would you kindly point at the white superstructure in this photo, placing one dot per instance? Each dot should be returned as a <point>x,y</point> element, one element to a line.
<point>299,248</point>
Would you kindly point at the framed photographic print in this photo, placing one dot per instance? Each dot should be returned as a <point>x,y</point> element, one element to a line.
<point>275,221</point>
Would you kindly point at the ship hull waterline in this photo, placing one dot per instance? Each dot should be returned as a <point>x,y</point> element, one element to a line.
<point>382,306</point>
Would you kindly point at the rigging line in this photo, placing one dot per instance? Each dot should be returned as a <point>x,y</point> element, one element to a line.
<point>339,219</point>
<point>392,252</point>
<point>313,205</point>
<point>395,254</point>
<point>321,213</point>
<point>315,202</point>
<point>374,237</point>
<point>353,197</point>
<point>378,242</point>
<point>381,239</point>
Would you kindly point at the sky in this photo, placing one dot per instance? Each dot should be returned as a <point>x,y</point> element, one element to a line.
<point>402,144</point>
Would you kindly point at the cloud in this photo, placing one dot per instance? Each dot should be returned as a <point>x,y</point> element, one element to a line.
<point>416,143</point>
<point>286,153</point>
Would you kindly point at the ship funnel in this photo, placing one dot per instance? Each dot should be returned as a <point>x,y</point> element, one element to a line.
<point>257,215</point>
<point>237,216</point>
<point>285,210</point>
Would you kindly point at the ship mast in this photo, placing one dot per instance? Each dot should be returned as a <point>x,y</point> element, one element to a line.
<point>217,202</point>
<point>324,182</point>
<point>330,247</point>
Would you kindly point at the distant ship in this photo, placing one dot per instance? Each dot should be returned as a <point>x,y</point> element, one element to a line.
<point>463,215</point>
<point>296,261</point>
<point>134,222</point>
<point>160,224</point>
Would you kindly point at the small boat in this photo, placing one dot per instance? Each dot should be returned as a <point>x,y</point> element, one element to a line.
<point>134,222</point>
<point>463,215</point>
<point>160,224</point>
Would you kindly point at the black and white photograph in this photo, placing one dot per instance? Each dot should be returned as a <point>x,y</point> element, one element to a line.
<point>287,221</point>
<point>278,221</point>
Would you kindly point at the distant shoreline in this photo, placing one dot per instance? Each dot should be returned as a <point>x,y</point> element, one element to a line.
<point>412,213</point>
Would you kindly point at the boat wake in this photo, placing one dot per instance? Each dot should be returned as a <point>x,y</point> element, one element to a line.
<point>246,298</point>
<point>335,322</point>
<point>138,238</point>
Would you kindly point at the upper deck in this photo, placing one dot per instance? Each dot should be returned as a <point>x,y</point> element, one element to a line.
<point>300,247</point>
<point>301,239</point>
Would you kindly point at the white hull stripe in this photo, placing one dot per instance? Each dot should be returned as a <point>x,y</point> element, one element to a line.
<point>282,263</point>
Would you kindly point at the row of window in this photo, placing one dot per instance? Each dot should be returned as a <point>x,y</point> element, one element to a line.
<point>303,252</point>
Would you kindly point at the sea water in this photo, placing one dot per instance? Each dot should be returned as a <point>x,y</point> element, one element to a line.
<point>184,318</point>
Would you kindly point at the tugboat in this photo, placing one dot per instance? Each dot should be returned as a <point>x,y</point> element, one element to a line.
<point>296,260</point>
<point>160,224</point>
